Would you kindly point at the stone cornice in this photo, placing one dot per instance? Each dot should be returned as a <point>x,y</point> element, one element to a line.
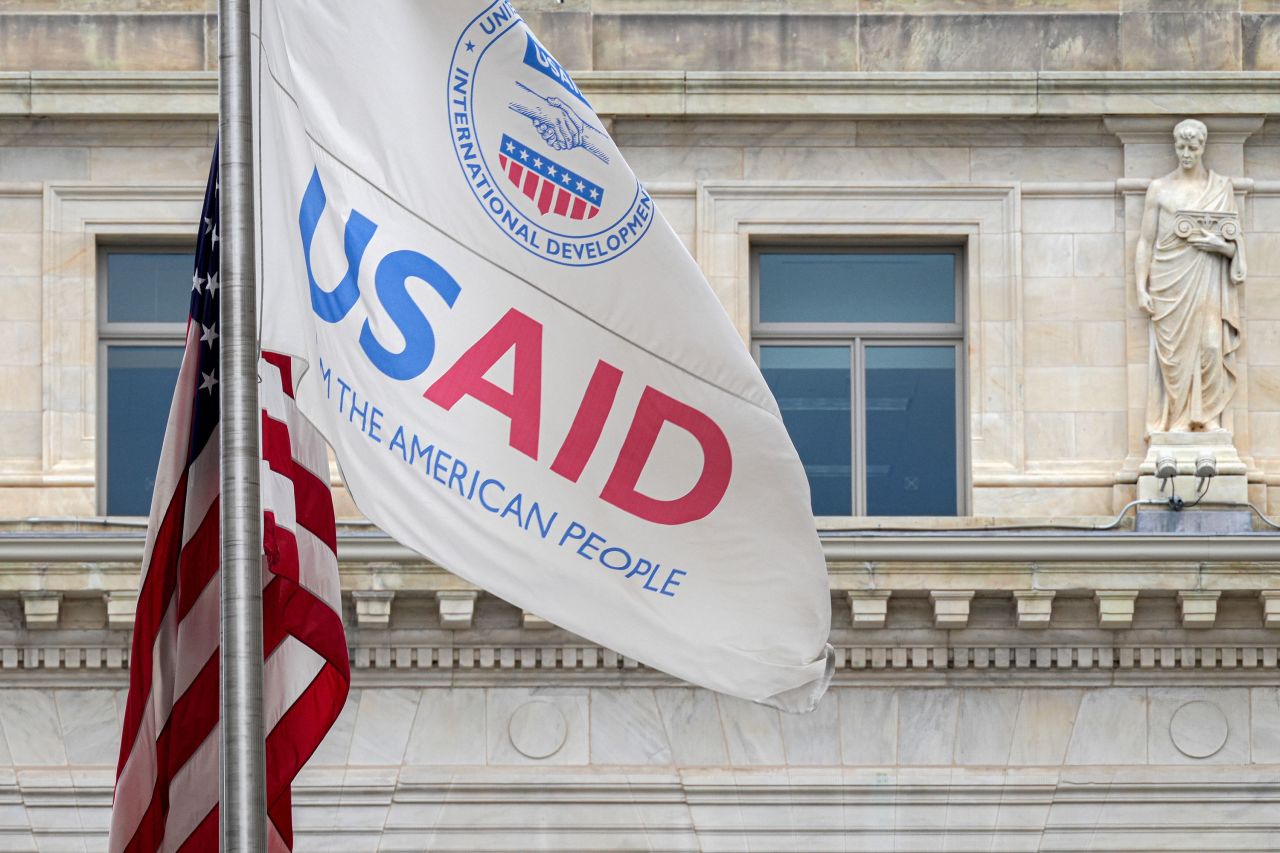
<point>716,93</point>
<point>842,548</point>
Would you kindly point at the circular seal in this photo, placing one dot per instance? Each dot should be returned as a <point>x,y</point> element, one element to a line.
<point>533,151</point>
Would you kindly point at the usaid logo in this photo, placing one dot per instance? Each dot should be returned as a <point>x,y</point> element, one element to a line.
<point>534,152</point>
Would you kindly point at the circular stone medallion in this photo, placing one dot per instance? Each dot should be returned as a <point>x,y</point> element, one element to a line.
<point>1198,729</point>
<point>537,729</point>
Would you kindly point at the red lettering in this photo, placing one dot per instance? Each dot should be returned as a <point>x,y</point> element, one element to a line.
<point>588,423</point>
<point>523,403</point>
<point>655,410</point>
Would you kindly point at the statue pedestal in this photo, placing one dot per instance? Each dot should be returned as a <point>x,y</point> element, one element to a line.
<point>1229,486</point>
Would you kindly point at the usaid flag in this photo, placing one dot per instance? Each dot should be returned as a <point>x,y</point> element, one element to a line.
<point>522,372</point>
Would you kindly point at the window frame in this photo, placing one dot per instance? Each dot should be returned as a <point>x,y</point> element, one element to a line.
<point>123,334</point>
<point>857,336</point>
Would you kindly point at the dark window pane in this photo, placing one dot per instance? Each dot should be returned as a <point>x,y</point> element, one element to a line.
<point>140,384</point>
<point>826,287</point>
<point>812,387</point>
<point>148,287</point>
<point>911,430</point>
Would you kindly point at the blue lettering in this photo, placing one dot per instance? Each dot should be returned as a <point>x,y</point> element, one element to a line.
<point>484,501</point>
<point>594,541</point>
<point>390,282</point>
<point>670,582</point>
<point>333,305</point>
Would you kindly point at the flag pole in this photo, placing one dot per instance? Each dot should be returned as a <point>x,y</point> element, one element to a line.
<point>243,799</point>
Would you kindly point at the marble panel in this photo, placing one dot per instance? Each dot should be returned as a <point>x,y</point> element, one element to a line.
<point>383,721</point>
<point>22,439</point>
<point>1103,344</point>
<point>1264,720</point>
<point>21,254</point>
<point>1262,339</point>
<point>1264,387</point>
<point>1056,502</point>
<point>813,738</point>
<point>20,214</point>
<point>45,164</point>
<point>449,727</point>
<point>90,727</point>
<point>1050,435</point>
<point>1047,255</point>
<point>858,165</point>
<point>573,707</point>
<point>1101,435</point>
<point>626,728</point>
<point>22,297</point>
<point>1081,43</point>
<point>1195,725</point>
<point>1006,42</point>
<point>752,733</point>
<point>1029,163</point>
<point>1067,214</point>
<point>988,718</point>
<point>1099,255</point>
<point>1110,728</point>
<point>1261,37</point>
<point>666,163</point>
<point>137,164</point>
<point>1050,344</point>
<point>20,388</point>
<point>31,727</point>
<point>1043,729</point>
<point>1075,389</point>
<point>57,42</point>
<point>1263,253</point>
<point>998,6</point>
<point>1181,41</point>
<point>927,726</point>
<point>711,42</point>
<point>1262,161</point>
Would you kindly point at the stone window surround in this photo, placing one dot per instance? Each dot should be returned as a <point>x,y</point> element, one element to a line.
<point>983,218</point>
<point>78,218</point>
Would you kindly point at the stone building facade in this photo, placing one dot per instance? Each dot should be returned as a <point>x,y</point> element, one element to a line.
<point>1023,672</point>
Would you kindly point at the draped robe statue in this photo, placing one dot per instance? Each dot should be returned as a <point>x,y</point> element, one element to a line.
<point>1190,262</point>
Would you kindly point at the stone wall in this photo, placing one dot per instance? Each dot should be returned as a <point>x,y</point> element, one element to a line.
<point>731,35</point>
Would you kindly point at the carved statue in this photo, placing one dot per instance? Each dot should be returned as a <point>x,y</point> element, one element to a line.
<point>1190,262</point>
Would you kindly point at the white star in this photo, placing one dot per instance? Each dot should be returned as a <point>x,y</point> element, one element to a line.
<point>197,283</point>
<point>551,170</point>
<point>213,283</point>
<point>208,223</point>
<point>565,178</point>
<point>581,186</point>
<point>594,193</point>
<point>215,236</point>
<point>210,334</point>
<point>524,155</point>
<point>511,146</point>
<point>537,162</point>
<point>209,380</point>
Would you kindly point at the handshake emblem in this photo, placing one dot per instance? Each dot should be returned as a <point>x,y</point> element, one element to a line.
<point>559,124</point>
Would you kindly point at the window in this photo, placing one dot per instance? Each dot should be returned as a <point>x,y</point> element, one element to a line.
<point>143,301</point>
<point>863,349</point>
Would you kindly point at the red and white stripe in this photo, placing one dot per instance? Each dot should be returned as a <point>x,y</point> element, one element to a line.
<point>166,796</point>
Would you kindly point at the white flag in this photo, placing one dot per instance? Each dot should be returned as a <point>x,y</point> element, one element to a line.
<point>522,372</point>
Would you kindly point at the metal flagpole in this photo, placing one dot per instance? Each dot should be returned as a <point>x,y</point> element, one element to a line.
<point>243,797</point>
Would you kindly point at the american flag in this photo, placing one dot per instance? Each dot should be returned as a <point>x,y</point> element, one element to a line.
<point>167,781</point>
<point>553,187</point>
